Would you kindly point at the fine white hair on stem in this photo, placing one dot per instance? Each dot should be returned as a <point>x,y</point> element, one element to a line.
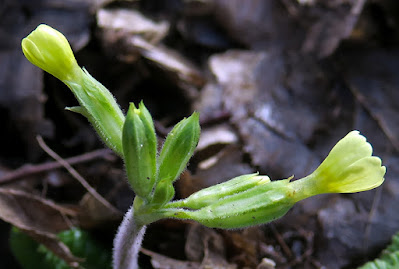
<point>127,242</point>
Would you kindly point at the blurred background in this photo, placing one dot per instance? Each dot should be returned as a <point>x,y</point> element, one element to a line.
<point>277,83</point>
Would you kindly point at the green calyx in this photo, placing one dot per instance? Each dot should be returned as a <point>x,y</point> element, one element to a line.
<point>257,205</point>
<point>140,150</point>
<point>177,150</point>
<point>214,193</point>
<point>152,178</point>
<point>98,105</point>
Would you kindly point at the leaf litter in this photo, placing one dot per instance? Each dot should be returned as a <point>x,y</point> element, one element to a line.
<point>277,84</point>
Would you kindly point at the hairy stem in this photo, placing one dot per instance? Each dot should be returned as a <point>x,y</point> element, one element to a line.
<point>127,242</point>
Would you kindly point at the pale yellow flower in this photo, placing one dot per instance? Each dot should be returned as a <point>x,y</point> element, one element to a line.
<point>48,49</point>
<point>349,167</point>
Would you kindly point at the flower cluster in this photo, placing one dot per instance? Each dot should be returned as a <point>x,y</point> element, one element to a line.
<point>240,202</point>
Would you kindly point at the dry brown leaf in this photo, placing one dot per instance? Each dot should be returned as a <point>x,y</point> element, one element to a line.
<point>26,210</point>
<point>92,212</point>
<point>52,242</point>
<point>39,218</point>
<point>372,78</point>
<point>206,245</point>
<point>172,61</point>
<point>268,104</point>
<point>129,34</point>
<point>334,23</point>
<point>224,165</point>
<point>132,22</point>
<point>244,245</point>
<point>159,261</point>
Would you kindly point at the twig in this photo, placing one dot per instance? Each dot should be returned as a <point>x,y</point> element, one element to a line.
<point>373,210</point>
<point>76,175</point>
<point>377,117</point>
<point>29,170</point>
<point>281,241</point>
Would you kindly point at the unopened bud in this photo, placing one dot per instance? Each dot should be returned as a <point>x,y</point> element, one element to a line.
<point>48,49</point>
<point>178,148</point>
<point>163,193</point>
<point>140,150</point>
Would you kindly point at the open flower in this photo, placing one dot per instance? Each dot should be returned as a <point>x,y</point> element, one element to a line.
<point>349,167</point>
<point>48,49</point>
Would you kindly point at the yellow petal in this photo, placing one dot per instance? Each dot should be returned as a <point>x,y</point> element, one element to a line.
<point>49,50</point>
<point>349,167</point>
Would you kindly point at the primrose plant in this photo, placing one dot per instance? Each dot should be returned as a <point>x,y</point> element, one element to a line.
<point>240,202</point>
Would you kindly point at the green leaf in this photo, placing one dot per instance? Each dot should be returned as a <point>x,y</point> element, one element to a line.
<point>32,255</point>
<point>25,250</point>
<point>389,258</point>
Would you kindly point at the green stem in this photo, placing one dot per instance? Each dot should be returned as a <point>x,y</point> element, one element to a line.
<point>161,213</point>
<point>127,242</point>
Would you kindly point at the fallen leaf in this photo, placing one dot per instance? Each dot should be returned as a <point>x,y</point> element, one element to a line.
<point>172,61</point>
<point>331,24</point>
<point>244,245</point>
<point>267,104</point>
<point>39,218</point>
<point>207,246</point>
<point>159,261</point>
<point>372,78</point>
<point>132,22</point>
<point>92,212</point>
<point>215,168</point>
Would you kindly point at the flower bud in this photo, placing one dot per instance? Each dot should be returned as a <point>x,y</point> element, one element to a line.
<point>214,193</point>
<point>140,150</point>
<point>178,148</point>
<point>163,193</point>
<point>350,167</point>
<point>48,49</point>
